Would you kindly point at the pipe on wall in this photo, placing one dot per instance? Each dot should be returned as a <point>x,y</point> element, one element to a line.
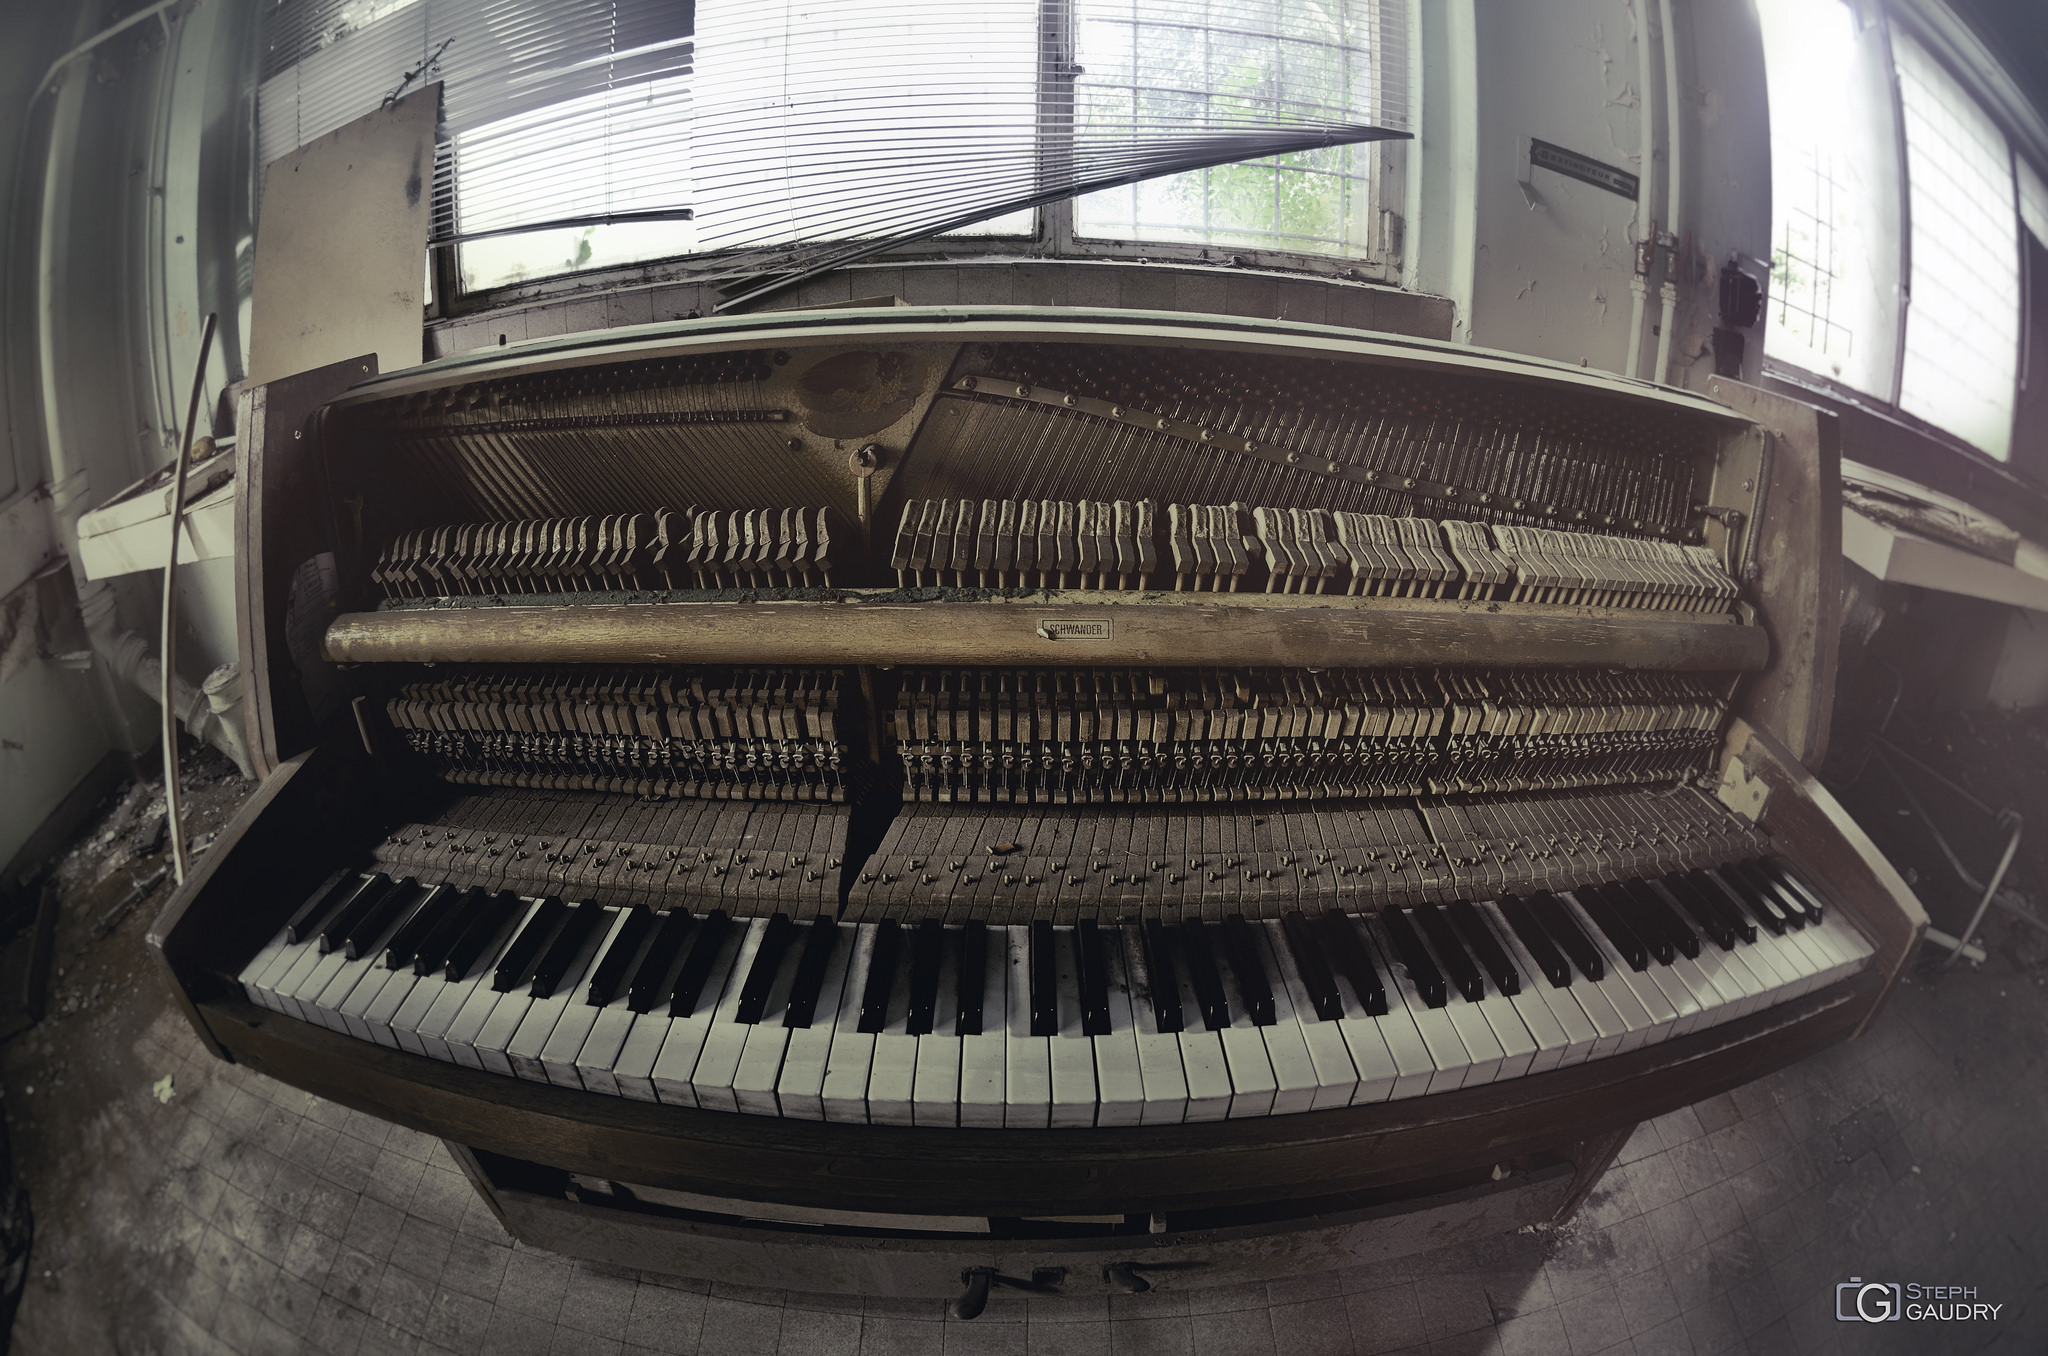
<point>1646,206</point>
<point>1674,189</point>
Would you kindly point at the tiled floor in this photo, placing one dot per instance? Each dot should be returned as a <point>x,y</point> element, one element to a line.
<point>224,1212</point>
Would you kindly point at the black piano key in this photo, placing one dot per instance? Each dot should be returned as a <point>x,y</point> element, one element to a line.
<point>1617,931</point>
<point>377,925</point>
<point>1710,897</point>
<point>1709,921</point>
<point>1091,969</point>
<point>1792,880</point>
<point>696,971</point>
<point>367,895</point>
<point>500,914</point>
<point>516,966</point>
<point>1241,948</point>
<point>1647,931</point>
<point>972,970</point>
<point>608,980</point>
<point>434,904</point>
<point>312,915</point>
<point>570,943</point>
<point>1202,974</point>
<point>1164,981</point>
<point>1043,975</point>
<point>775,940</point>
<point>927,949</point>
<point>1564,930</point>
<point>650,985</point>
<point>1408,948</point>
<point>874,998</point>
<point>1541,949</point>
<point>809,980</point>
<point>1649,904</point>
<point>1762,910</point>
<point>449,929</point>
<point>1761,881</point>
<point>1451,951</point>
<point>1485,947</point>
<point>1352,958</point>
<point>1312,966</point>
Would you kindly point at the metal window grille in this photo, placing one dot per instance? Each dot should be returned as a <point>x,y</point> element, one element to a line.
<point>1962,323</point>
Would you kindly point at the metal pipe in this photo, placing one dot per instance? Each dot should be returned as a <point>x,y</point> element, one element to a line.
<point>168,646</point>
<point>1646,207</point>
<point>2012,845</point>
<point>1674,190</point>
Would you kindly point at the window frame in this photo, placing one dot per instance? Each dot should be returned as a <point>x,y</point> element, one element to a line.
<point>1054,236</point>
<point>1841,395</point>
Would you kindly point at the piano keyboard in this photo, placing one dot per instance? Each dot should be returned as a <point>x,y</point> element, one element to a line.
<point>1044,1025</point>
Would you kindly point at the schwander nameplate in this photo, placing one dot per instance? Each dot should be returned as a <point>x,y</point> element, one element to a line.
<point>1055,629</point>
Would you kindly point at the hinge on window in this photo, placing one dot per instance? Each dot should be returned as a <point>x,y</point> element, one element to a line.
<point>1390,233</point>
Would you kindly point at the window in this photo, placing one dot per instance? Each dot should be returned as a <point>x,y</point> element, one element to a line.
<point>1962,326</point>
<point>1188,59</point>
<point>1834,306</point>
<point>791,122</point>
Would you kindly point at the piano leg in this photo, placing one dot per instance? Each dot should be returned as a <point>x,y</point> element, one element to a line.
<point>1591,1158</point>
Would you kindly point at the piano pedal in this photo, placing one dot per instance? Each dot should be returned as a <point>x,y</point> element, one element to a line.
<point>978,1280</point>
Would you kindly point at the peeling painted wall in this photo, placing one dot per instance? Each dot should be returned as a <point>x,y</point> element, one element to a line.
<point>1553,256</point>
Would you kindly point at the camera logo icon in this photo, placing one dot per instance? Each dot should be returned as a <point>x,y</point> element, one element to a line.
<point>1861,1301</point>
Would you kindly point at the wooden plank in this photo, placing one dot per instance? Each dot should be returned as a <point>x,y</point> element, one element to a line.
<point>340,266</point>
<point>279,524</point>
<point>283,840</point>
<point>1838,856</point>
<point>1361,632</point>
<point>1798,587</point>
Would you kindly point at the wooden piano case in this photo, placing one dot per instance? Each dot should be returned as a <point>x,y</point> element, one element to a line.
<point>1186,1204</point>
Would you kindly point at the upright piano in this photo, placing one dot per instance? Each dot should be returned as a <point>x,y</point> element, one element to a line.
<point>910,800</point>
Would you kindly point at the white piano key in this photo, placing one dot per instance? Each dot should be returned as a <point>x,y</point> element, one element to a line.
<point>1483,1045</point>
<point>529,1043</point>
<point>480,999</point>
<point>1555,1020</point>
<point>1637,1000</point>
<point>390,999</point>
<point>711,1073</point>
<point>1447,1055</point>
<point>1701,999</point>
<point>1329,1058</point>
<point>579,1019</point>
<point>800,1088</point>
<point>844,1093</point>
<point>1164,1081</point>
<point>935,1089</point>
<point>332,981</point>
<point>759,1071</point>
<point>1119,1079</point>
<point>354,1009</point>
<point>595,1062</point>
<point>1027,1098</point>
<point>983,1058</point>
<point>299,980</point>
<point>669,1071</point>
<point>1396,1029</point>
<point>892,1074</point>
<point>1070,1052</point>
<point>257,970</point>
